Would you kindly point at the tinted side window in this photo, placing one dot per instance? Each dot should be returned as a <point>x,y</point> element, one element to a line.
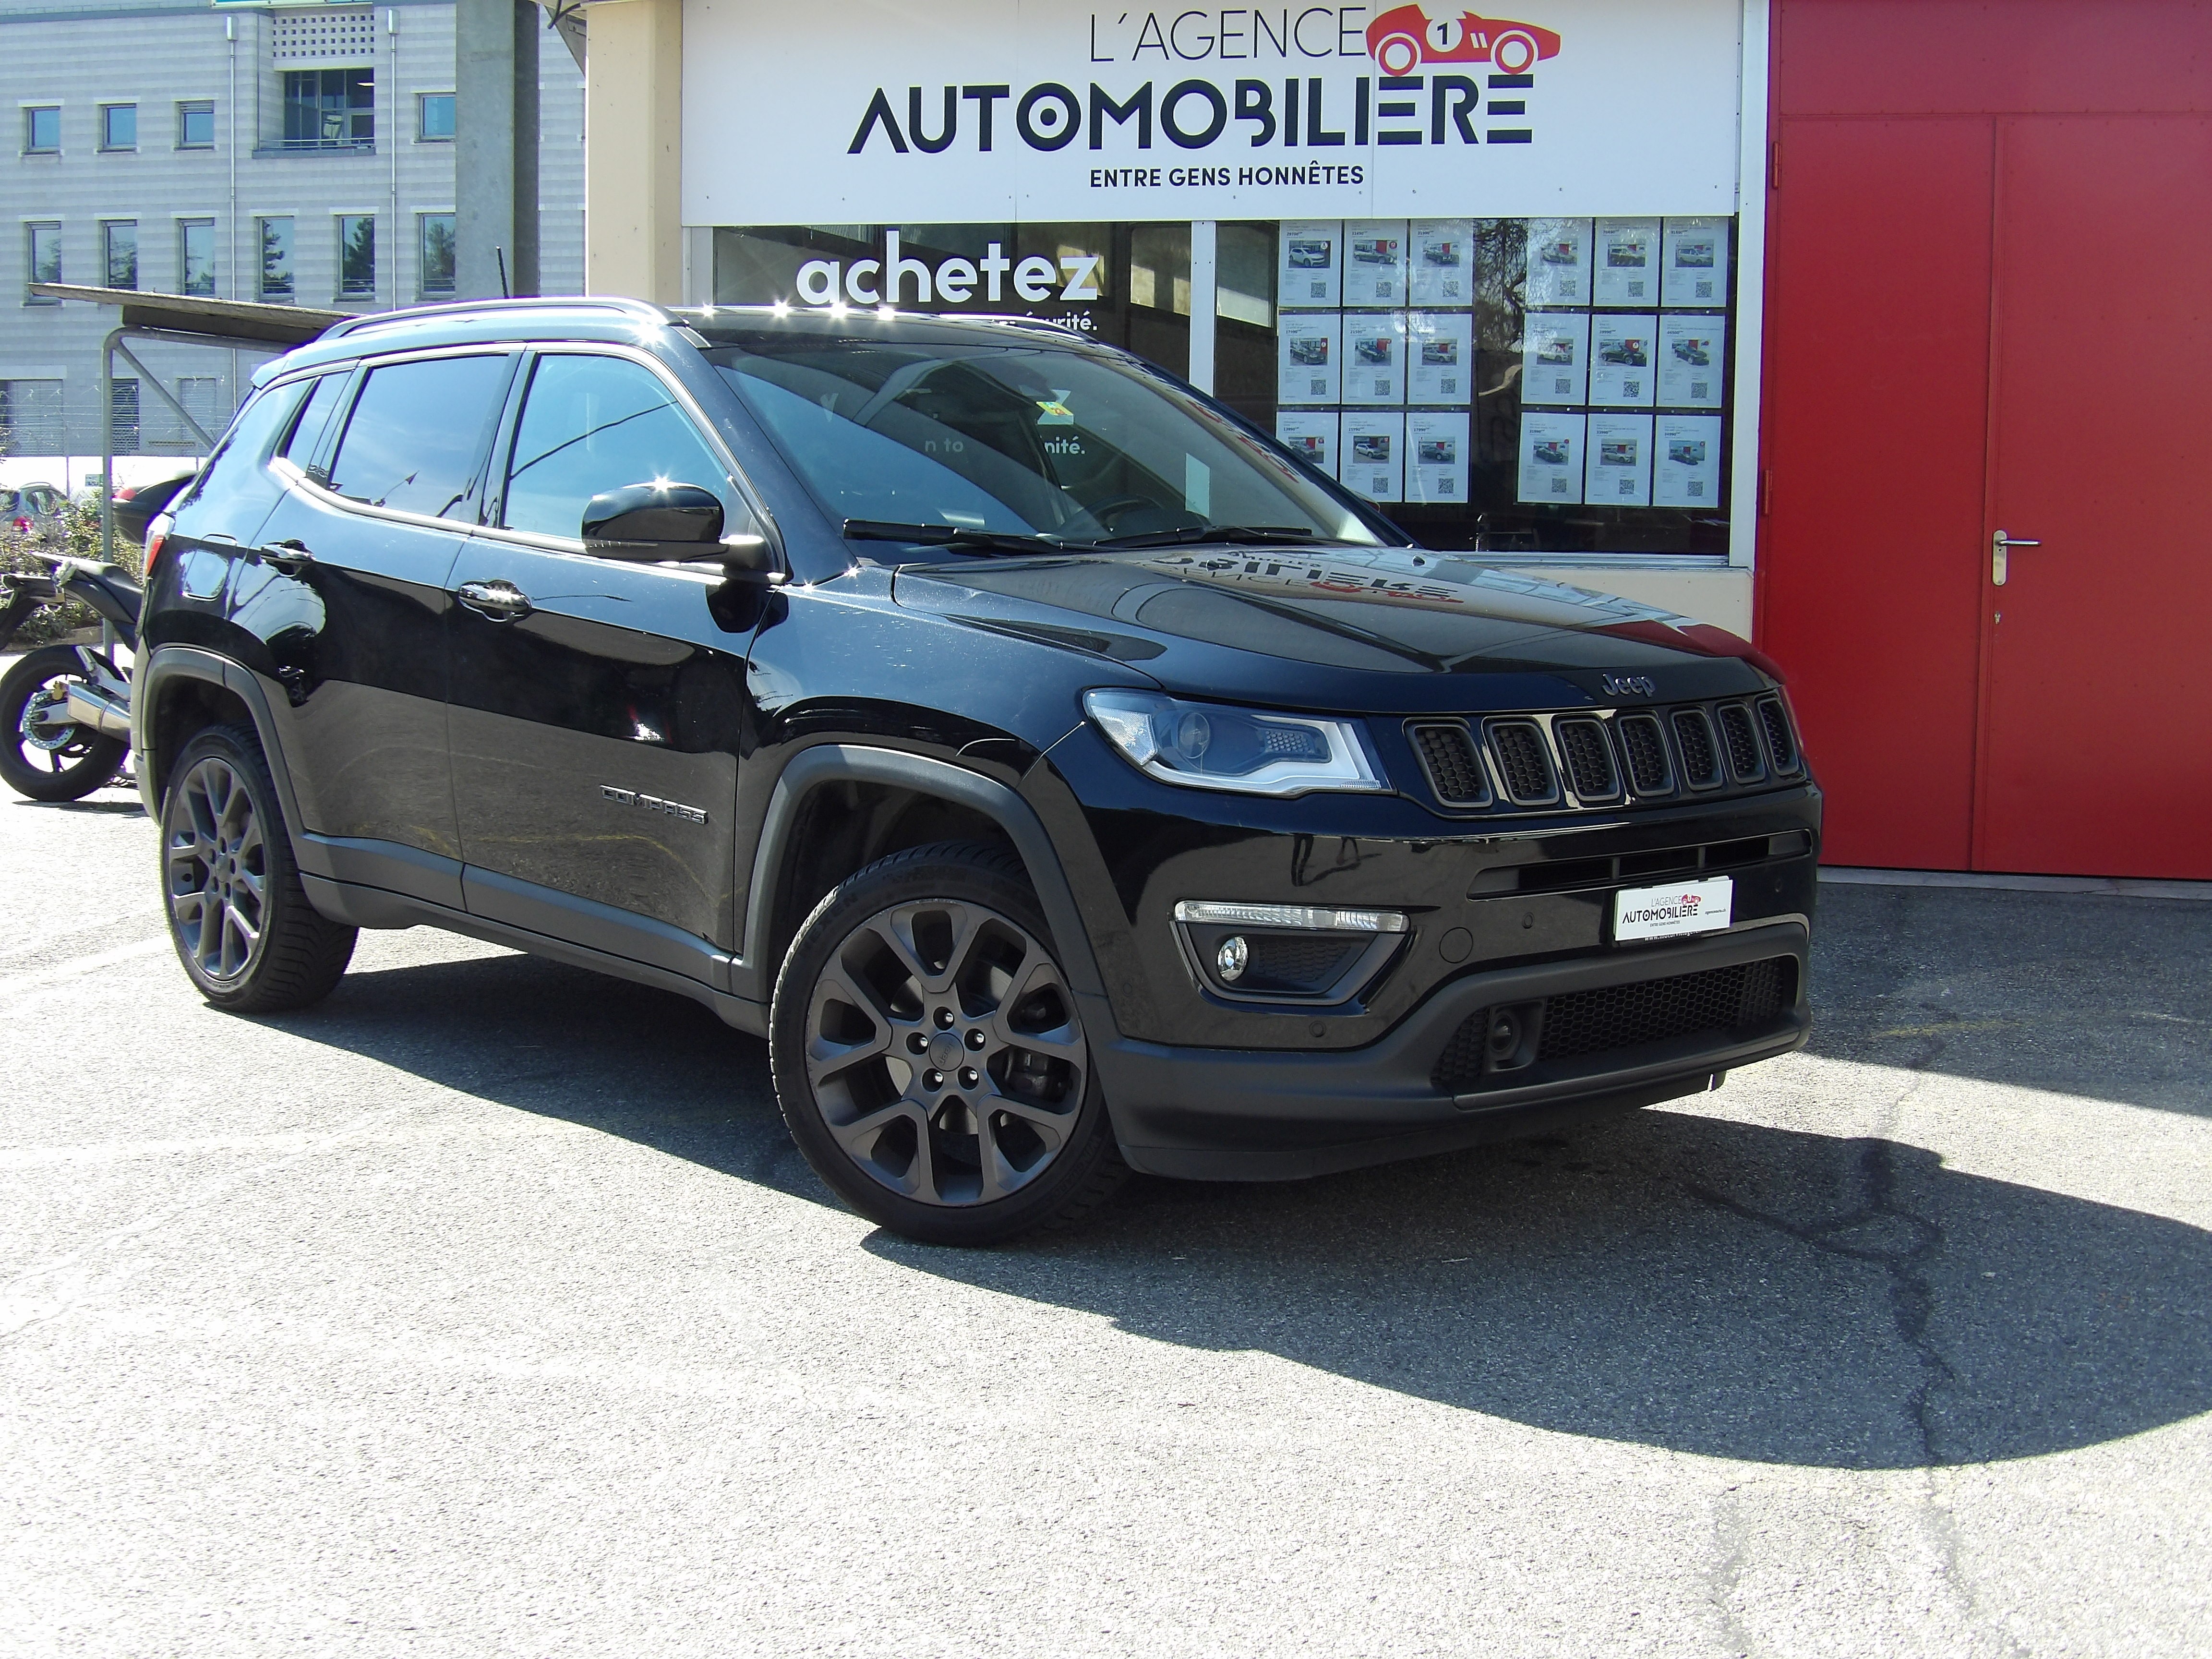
<point>591,424</point>
<point>415,433</point>
<point>300,447</point>
<point>233,492</point>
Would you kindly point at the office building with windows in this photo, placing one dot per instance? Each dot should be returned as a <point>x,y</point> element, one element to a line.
<point>294,153</point>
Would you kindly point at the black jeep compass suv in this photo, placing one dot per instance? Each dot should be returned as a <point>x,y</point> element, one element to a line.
<point>1060,775</point>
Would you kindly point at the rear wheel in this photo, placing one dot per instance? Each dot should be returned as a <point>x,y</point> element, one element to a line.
<point>238,913</point>
<point>44,754</point>
<point>929,1058</point>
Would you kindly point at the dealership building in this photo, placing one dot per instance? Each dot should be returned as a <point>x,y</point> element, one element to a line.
<point>1873,330</point>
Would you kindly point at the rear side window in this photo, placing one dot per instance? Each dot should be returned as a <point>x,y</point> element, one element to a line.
<point>417,432</point>
<point>591,424</point>
<point>246,446</point>
<point>300,448</point>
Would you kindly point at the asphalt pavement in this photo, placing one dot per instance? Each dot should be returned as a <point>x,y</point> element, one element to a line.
<point>487,1309</point>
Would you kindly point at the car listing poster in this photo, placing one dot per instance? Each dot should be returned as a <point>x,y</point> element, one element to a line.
<point>1436,457</point>
<point>1439,357</point>
<point>1559,263</point>
<point>1551,456</point>
<point>1374,357</point>
<point>1687,463</point>
<point>1373,461</point>
<point>1440,258</point>
<point>1696,269</point>
<point>1618,459</point>
<point>1375,262</point>
<point>1310,351</point>
<point>1621,349</point>
<point>1627,262</point>
<point>1555,356</point>
<point>1310,434</point>
<point>1311,263</point>
<point>1690,361</point>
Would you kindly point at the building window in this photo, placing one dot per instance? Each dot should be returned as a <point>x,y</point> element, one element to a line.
<point>196,257</point>
<point>118,239</point>
<point>275,257</point>
<point>357,255</point>
<point>195,124</point>
<point>201,395</point>
<point>123,417</point>
<point>42,130</point>
<point>329,109</point>
<point>31,417</point>
<point>118,126</point>
<point>435,117</point>
<point>44,248</point>
<point>437,252</point>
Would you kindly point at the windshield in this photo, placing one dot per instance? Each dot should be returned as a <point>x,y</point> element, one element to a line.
<point>1017,439</point>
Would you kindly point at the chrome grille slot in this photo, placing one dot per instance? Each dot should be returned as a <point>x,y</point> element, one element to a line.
<point>1741,739</point>
<point>1781,741</point>
<point>1525,762</point>
<point>1645,743</point>
<point>1453,767</point>
<point>1701,756</point>
<point>1589,757</point>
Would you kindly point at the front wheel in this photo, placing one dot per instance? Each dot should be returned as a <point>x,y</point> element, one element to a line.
<point>44,754</point>
<point>929,1057</point>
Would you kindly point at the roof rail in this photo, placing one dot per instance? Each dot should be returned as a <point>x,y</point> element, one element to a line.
<point>645,310</point>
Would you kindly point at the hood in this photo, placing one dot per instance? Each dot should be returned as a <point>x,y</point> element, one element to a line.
<point>1395,630</point>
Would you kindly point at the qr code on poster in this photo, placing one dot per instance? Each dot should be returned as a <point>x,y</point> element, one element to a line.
<point>1559,486</point>
<point>1636,289</point>
<point>1562,384</point>
<point>1695,487</point>
<point>1628,486</point>
<point>1705,288</point>
<point>1631,388</point>
<point>1449,383</point>
<point>1321,290</point>
<point>1701,389</point>
<point>1382,289</point>
<point>1319,386</point>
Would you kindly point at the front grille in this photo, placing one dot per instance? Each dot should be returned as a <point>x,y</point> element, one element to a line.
<point>1741,742</point>
<point>1781,741</point>
<point>1524,764</point>
<point>1589,757</point>
<point>1454,769</point>
<point>1701,760</point>
<point>1646,747</point>
<point>1717,1003</point>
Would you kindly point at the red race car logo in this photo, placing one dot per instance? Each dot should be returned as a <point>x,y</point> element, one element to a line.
<point>1404,38</point>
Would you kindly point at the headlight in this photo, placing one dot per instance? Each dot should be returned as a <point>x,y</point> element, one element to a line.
<point>1209,746</point>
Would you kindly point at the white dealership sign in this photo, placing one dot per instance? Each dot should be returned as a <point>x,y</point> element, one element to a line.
<point>986,111</point>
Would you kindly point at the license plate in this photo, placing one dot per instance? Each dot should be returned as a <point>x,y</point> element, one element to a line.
<point>1689,907</point>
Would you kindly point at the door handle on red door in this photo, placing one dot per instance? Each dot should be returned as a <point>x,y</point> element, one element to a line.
<point>2000,545</point>
<point>501,601</point>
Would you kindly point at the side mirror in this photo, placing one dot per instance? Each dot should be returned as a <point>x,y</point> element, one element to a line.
<point>645,524</point>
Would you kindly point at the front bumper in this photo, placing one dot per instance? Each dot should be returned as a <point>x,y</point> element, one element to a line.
<point>1260,1114</point>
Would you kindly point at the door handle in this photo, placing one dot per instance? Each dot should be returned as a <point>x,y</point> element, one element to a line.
<point>501,601</point>
<point>290,556</point>
<point>2000,545</point>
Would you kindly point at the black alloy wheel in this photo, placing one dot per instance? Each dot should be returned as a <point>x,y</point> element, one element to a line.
<point>238,913</point>
<point>929,1057</point>
<point>44,754</point>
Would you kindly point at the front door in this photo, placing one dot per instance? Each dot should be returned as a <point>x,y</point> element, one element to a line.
<point>596,705</point>
<point>2096,727</point>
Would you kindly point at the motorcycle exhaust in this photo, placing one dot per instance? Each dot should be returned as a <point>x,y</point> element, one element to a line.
<point>94,708</point>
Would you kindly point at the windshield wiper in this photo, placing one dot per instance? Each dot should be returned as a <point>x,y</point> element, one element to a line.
<point>951,535</point>
<point>1237,534</point>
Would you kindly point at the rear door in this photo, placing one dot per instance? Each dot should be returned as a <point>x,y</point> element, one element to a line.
<point>347,593</point>
<point>596,707</point>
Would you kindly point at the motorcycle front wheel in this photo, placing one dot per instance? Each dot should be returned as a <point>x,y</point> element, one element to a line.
<point>44,754</point>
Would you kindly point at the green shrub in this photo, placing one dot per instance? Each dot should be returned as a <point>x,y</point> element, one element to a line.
<point>76,531</point>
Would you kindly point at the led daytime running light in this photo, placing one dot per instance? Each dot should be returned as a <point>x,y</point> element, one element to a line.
<point>1304,916</point>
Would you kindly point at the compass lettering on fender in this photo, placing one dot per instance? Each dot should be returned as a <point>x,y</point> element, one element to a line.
<point>674,809</point>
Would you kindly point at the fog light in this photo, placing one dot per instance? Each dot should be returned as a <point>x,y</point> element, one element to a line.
<point>1232,958</point>
<point>1504,1034</point>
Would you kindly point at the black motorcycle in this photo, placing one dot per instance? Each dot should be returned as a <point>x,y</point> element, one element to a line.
<point>65,709</point>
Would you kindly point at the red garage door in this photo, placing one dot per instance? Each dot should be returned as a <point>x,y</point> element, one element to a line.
<point>1991,313</point>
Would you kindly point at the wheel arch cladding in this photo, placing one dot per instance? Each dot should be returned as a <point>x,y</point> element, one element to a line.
<point>182,690</point>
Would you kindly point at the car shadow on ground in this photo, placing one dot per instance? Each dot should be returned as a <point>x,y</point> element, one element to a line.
<point>1667,1278</point>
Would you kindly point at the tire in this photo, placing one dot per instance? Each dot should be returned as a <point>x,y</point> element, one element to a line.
<point>44,758</point>
<point>238,914</point>
<point>1004,1129</point>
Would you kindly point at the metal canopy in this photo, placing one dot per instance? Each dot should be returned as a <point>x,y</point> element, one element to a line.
<point>226,322</point>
